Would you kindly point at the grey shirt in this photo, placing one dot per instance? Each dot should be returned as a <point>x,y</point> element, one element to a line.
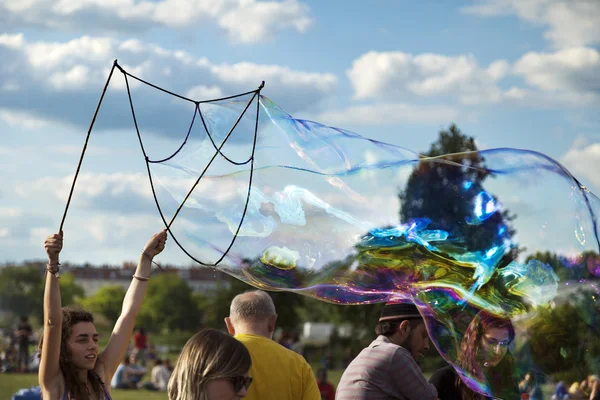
<point>384,371</point>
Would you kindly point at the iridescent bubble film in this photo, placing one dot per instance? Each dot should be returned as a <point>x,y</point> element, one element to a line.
<point>476,239</point>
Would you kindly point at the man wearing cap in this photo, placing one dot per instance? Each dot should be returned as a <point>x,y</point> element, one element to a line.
<point>388,368</point>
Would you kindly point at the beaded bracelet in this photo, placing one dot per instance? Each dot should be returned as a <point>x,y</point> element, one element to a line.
<point>53,269</point>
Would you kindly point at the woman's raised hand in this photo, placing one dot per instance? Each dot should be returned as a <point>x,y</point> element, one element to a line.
<point>156,244</point>
<point>53,245</point>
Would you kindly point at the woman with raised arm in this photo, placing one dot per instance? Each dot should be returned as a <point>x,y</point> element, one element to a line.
<point>70,364</point>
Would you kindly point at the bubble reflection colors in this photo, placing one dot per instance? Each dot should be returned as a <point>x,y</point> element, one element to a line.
<point>351,220</point>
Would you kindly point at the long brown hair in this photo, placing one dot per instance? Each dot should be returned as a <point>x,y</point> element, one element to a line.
<point>500,377</point>
<point>209,354</point>
<point>72,315</point>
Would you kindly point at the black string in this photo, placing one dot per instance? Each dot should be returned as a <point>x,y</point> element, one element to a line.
<point>87,138</point>
<point>256,94</point>
<point>213,142</point>
<point>211,160</point>
<point>184,140</point>
<point>183,97</point>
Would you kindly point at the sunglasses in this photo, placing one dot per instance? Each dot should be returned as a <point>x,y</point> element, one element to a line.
<point>240,382</point>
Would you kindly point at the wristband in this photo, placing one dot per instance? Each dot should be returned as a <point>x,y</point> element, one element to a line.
<point>53,269</point>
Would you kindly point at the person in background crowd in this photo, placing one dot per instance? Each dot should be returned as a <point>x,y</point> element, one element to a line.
<point>126,376</point>
<point>159,377</point>
<point>140,346</point>
<point>325,387</point>
<point>23,334</point>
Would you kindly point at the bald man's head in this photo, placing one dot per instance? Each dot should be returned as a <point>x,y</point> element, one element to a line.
<point>252,312</point>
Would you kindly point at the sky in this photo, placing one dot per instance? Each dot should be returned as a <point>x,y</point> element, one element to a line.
<point>511,73</point>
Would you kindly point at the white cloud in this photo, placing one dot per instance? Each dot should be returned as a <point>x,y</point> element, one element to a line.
<point>22,118</point>
<point>570,22</point>
<point>498,69</point>
<point>71,79</point>
<point>123,193</point>
<point>389,114</point>
<point>95,150</point>
<point>516,93</point>
<point>244,21</point>
<point>253,21</point>
<point>565,78</point>
<point>582,160</point>
<point>204,92</point>
<point>93,190</point>
<point>275,75</point>
<point>37,235</point>
<point>16,223</point>
<point>13,41</point>
<point>574,69</point>
<point>580,141</point>
<point>66,78</point>
<point>395,74</point>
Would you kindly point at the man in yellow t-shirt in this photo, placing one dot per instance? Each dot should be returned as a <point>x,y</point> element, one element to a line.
<point>278,373</point>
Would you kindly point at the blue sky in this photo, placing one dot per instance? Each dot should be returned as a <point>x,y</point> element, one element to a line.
<point>511,73</point>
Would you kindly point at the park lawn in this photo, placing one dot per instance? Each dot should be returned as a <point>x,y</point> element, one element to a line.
<point>11,383</point>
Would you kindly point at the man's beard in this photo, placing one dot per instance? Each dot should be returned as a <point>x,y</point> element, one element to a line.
<point>409,347</point>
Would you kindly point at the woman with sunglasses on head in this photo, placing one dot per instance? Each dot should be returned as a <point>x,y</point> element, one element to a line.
<point>484,355</point>
<point>211,366</point>
<point>71,366</point>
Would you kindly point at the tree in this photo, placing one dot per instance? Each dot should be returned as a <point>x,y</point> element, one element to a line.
<point>22,289</point>
<point>564,340</point>
<point>447,190</point>
<point>70,291</point>
<point>215,305</point>
<point>584,266</point>
<point>169,305</point>
<point>108,301</point>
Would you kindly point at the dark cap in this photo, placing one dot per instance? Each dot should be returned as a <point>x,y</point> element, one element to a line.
<point>399,311</point>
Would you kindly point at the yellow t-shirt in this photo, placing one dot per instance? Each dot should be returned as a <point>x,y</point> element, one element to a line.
<point>278,373</point>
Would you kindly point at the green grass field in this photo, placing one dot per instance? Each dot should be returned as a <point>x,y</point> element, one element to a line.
<point>10,383</point>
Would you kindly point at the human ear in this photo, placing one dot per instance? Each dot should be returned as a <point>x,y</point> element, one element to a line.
<point>404,328</point>
<point>230,326</point>
<point>271,324</point>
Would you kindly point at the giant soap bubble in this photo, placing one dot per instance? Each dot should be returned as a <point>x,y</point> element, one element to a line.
<point>290,204</point>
